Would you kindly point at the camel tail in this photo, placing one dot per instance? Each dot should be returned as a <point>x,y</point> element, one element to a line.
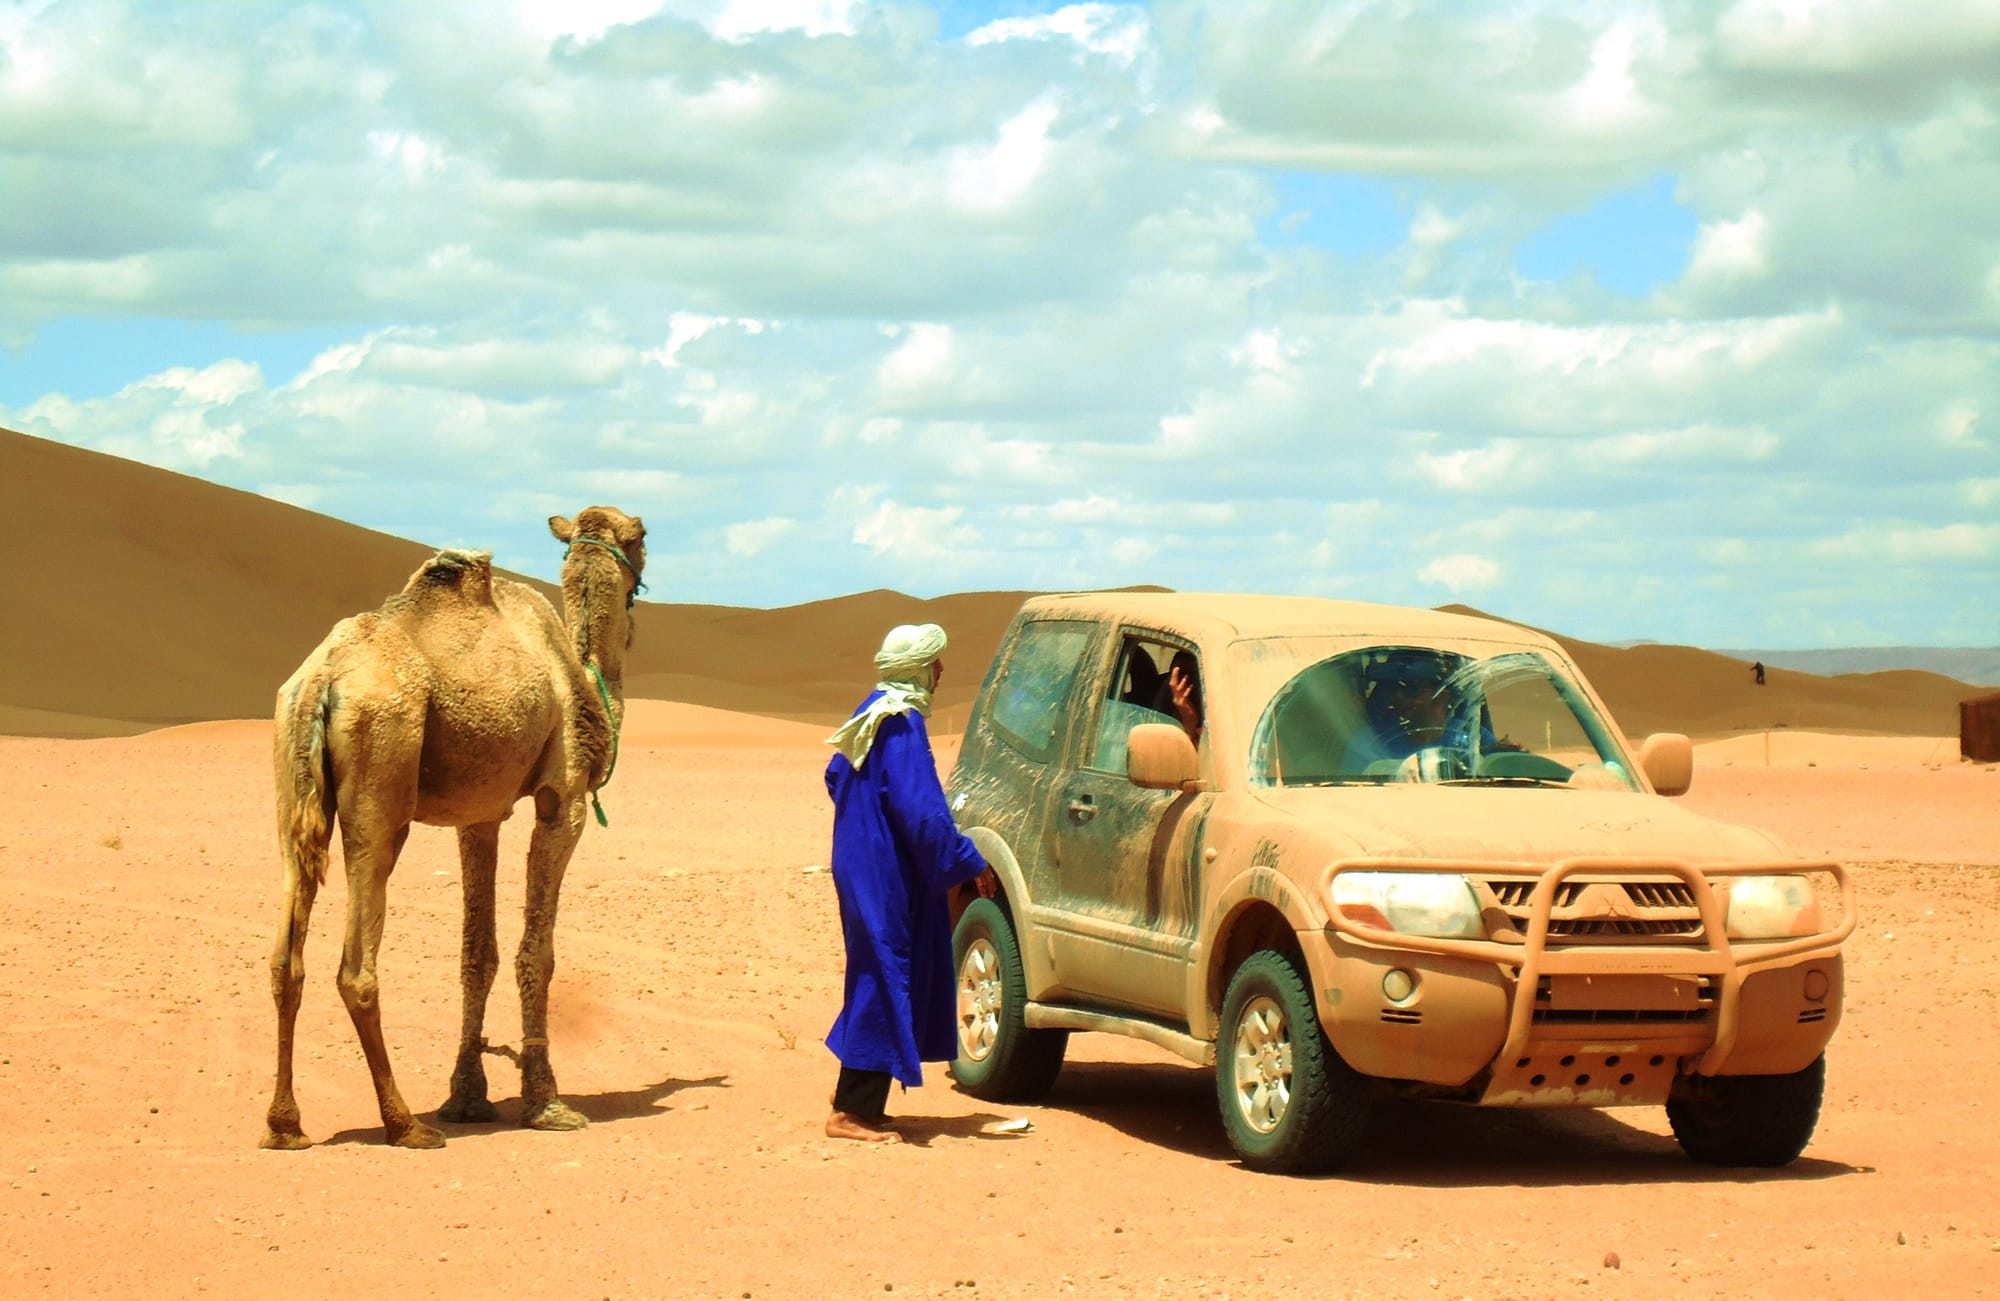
<point>305,777</point>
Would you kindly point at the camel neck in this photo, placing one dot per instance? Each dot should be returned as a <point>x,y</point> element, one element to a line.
<point>600,624</point>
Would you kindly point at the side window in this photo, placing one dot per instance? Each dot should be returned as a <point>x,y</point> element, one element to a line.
<point>1140,691</point>
<point>1034,683</point>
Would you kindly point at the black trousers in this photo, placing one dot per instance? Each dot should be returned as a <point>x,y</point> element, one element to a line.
<point>862,1093</point>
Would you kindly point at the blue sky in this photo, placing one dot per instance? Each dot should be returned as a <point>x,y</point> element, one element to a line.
<point>1663,320</point>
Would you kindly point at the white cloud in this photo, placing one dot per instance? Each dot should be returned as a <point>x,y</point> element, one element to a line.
<point>1732,250</point>
<point>920,364</point>
<point>1130,552</point>
<point>1461,573</point>
<point>1120,31</point>
<point>1701,445</point>
<point>1913,545</point>
<point>755,537</point>
<point>914,532</point>
<point>1959,426</point>
<point>586,20</point>
<point>741,19</point>
<point>989,179</point>
<point>1496,469</point>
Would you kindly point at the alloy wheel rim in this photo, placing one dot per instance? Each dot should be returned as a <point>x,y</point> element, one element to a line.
<point>978,1000</point>
<point>1261,1065</point>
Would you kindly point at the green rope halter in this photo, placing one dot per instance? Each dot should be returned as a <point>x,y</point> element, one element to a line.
<point>604,692</point>
<point>638,583</point>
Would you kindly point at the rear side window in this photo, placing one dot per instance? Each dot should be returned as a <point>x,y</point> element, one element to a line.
<point>1032,688</point>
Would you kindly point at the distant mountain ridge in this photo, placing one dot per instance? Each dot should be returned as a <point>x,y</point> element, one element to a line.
<point>1978,666</point>
<point>136,598</point>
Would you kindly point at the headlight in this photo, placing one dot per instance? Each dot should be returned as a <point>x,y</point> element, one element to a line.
<point>1414,903</point>
<point>1765,907</point>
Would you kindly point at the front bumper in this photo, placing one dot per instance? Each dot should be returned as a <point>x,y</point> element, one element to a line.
<point>1577,1013</point>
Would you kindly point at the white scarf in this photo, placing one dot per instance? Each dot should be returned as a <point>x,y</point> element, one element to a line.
<point>906,655</point>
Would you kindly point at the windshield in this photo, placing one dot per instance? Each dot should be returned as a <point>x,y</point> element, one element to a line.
<point>1411,713</point>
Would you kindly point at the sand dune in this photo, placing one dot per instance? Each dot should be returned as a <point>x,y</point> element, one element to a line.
<point>139,599</point>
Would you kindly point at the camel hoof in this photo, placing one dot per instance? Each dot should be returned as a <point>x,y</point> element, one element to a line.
<point>286,1141</point>
<point>555,1114</point>
<point>468,1111</point>
<point>418,1136</point>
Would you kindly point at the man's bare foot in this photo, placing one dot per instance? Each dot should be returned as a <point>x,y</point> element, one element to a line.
<point>842,1125</point>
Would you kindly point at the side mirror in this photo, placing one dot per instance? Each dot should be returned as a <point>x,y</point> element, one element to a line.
<point>1160,757</point>
<point>1668,758</point>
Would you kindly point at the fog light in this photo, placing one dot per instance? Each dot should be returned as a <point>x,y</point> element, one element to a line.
<point>1816,985</point>
<point>1398,985</point>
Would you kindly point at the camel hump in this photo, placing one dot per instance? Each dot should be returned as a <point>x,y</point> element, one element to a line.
<point>466,575</point>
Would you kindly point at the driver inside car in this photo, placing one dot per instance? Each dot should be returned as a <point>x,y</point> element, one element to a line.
<point>1417,715</point>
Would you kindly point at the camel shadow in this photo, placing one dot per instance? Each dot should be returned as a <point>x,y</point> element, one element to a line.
<point>1420,1144</point>
<point>597,1108</point>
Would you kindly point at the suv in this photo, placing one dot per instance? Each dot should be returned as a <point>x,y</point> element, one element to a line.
<point>1374,851</point>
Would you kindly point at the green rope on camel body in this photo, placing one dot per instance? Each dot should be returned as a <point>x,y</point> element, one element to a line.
<point>604,694</point>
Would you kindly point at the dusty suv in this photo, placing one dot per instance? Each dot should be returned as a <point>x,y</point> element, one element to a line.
<point>1342,851</point>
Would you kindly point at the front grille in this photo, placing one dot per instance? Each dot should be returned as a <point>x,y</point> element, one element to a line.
<point>1601,928</point>
<point>1705,990</point>
<point>1598,911</point>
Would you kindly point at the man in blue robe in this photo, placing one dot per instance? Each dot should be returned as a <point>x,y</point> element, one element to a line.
<point>896,855</point>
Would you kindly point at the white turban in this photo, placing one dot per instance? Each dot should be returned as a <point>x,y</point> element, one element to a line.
<point>909,647</point>
<point>906,652</point>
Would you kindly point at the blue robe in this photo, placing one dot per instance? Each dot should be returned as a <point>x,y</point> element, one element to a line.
<point>896,854</point>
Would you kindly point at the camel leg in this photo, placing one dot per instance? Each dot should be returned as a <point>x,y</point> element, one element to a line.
<point>549,848</point>
<point>369,862</point>
<point>478,963</point>
<point>288,982</point>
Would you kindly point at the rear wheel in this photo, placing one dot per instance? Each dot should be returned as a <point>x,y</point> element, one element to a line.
<point>1289,1103</point>
<point>1747,1120</point>
<point>999,1057</point>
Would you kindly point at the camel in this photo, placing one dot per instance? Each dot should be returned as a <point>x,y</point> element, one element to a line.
<point>462,695</point>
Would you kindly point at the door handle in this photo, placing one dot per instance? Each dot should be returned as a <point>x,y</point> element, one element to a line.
<point>1083,808</point>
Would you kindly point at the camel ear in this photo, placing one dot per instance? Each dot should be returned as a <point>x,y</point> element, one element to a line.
<point>565,530</point>
<point>634,531</point>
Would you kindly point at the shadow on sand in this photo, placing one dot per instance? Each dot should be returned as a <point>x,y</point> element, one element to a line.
<point>597,1108</point>
<point>1423,1144</point>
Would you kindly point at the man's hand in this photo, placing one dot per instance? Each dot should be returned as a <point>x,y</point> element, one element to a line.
<point>1182,691</point>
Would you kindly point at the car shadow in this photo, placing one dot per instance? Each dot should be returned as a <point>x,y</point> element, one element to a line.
<point>1423,1144</point>
<point>597,1108</point>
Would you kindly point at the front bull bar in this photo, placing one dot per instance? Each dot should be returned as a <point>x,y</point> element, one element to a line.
<point>1533,959</point>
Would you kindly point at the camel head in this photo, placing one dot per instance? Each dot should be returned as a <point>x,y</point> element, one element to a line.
<point>601,578</point>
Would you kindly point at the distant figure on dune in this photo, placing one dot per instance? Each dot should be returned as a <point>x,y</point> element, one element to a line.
<point>896,853</point>
<point>1758,669</point>
<point>463,695</point>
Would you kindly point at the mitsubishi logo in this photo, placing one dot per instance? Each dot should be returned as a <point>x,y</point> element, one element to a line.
<point>1604,901</point>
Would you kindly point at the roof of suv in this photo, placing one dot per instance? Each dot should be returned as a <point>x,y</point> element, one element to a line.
<point>1231,615</point>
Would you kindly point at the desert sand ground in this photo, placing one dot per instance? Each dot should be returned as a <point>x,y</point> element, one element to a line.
<point>698,966</point>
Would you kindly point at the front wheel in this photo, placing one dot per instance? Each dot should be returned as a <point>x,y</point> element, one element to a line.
<point>999,1057</point>
<point>1747,1120</point>
<point>1289,1103</point>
